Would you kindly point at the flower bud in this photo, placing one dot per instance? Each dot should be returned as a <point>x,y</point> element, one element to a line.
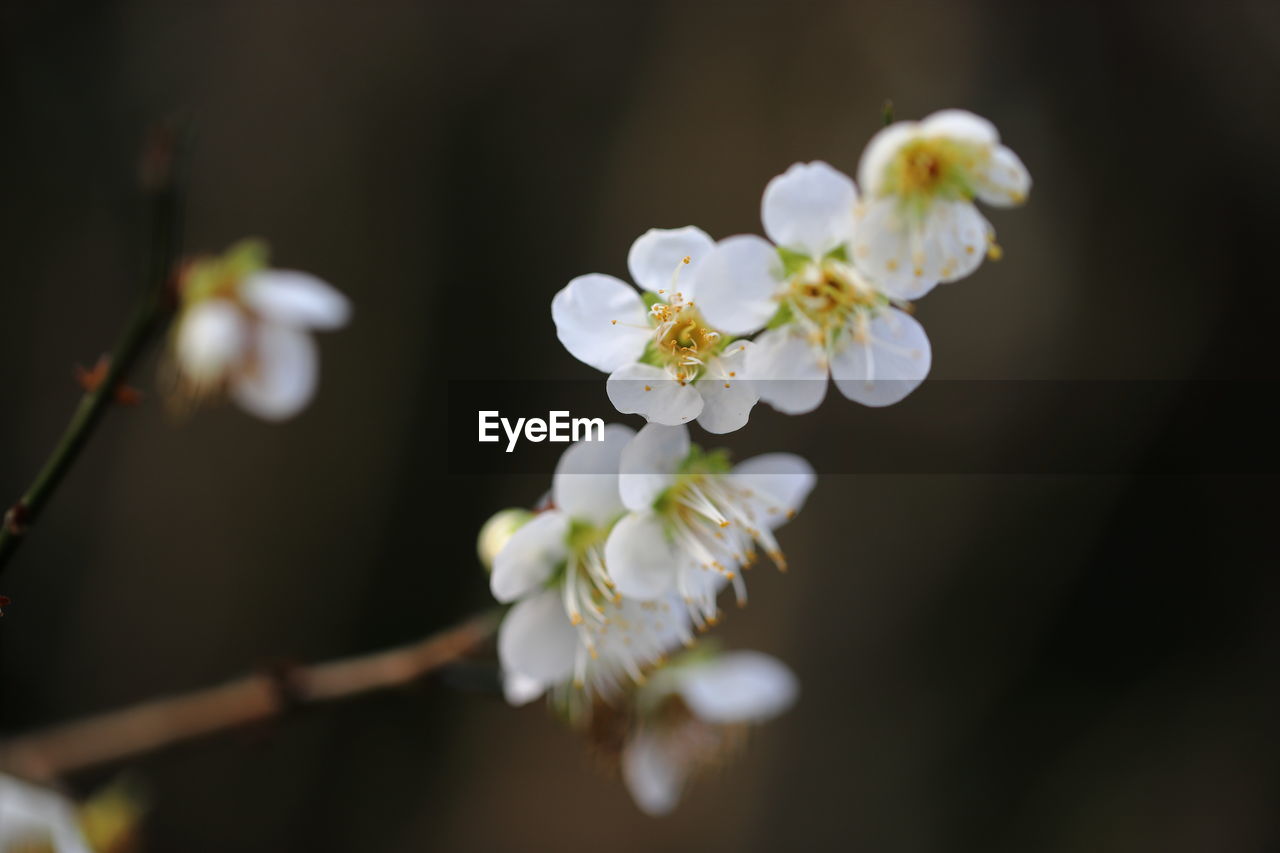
<point>496,531</point>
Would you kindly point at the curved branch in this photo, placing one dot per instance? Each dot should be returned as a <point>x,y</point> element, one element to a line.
<point>45,756</point>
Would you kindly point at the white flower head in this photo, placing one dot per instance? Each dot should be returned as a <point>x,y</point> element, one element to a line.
<point>664,362</point>
<point>570,625</point>
<point>245,330</point>
<point>694,522</point>
<point>822,314</point>
<point>37,819</point>
<point>919,225</point>
<point>693,714</point>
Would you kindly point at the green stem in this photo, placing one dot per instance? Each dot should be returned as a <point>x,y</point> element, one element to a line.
<point>161,167</point>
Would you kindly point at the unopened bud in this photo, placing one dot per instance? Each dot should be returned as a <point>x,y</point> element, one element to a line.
<point>497,531</point>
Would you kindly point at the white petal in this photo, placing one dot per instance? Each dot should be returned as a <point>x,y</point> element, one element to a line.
<point>293,298</point>
<point>601,321</point>
<point>212,338</point>
<point>960,125</point>
<point>281,377</point>
<point>654,773</point>
<point>888,362</point>
<point>521,689</point>
<point>585,485</point>
<point>641,560</point>
<point>739,687</point>
<point>643,389</point>
<point>530,556</point>
<point>738,284</point>
<point>809,208</point>
<point>888,249</point>
<point>727,394</point>
<point>31,815</point>
<point>650,462</point>
<point>1005,182</point>
<point>536,639</point>
<point>906,255</point>
<point>781,482</point>
<point>788,370</point>
<point>879,153</point>
<point>656,259</point>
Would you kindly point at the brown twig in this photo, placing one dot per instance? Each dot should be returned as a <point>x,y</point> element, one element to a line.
<point>46,756</point>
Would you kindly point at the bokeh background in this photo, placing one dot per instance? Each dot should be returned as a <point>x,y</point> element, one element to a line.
<point>1066,662</point>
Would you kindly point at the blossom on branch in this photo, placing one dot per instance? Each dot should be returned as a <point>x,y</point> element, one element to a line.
<point>821,313</point>
<point>918,225</point>
<point>664,361</point>
<point>694,522</point>
<point>244,330</point>
<point>569,625</point>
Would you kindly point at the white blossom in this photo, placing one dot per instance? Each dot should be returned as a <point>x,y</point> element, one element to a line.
<point>569,624</point>
<point>245,330</point>
<point>664,362</point>
<point>690,716</point>
<point>824,315</point>
<point>33,818</point>
<point>693,523</point>
<point>918,225</point>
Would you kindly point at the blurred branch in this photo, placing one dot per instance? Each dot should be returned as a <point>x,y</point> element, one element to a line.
<point>161,168</point>
<point>45,756</point>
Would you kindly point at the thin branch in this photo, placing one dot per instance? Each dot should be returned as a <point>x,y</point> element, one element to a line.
<point>46,756</point>
<point>161,166</point>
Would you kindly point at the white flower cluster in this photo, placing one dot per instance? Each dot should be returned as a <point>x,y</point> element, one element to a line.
<point>642,531</point>
<point>828,292</point>
<point>621,569</point>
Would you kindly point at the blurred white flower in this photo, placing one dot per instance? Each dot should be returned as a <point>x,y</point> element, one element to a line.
<point>824,315</point>
<point>569,624</point>
<point>919,225</point>
<point>691,715</point>
<point>694,522</point>
<point>664,362</point>
<point>245,330</point>
<point>35,819</point>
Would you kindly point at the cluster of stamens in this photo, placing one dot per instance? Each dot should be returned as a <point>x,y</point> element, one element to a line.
<point>682,339</point>
<point>828,294</point>
<point>618,641</point>
<point>717,523</point>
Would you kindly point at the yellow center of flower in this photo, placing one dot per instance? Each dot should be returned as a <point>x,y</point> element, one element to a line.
<point>682,339</point>
<point>934,168</point>
<point>829,293</point>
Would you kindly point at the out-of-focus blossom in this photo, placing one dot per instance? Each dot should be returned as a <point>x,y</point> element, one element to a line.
<point>36,820</point>
<point>664,362</point>
<point>694,521</point>
<point>569,624</point>
<point>692,714</point>
<point>918,225</point>
<point>245,330</point>
<point>822,314</point>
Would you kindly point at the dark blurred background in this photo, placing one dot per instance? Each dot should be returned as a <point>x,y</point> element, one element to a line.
<point>999,662</point>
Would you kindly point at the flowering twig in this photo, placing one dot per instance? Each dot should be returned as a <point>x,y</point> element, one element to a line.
<point>161,167</point>
<point>45,756</point>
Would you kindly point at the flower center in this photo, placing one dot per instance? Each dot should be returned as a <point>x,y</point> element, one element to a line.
<point>925,169</point>
<point>829,292</point>
<point>682,340</point>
